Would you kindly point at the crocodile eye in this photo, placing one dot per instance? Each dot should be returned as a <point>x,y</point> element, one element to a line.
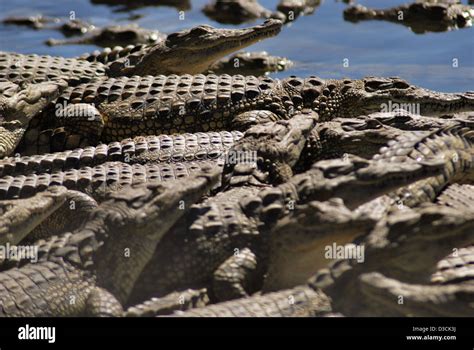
<point>295,82</point>
<point>172,36</point>
<point>401,85</point>
<point>200,30</point>
<point>374,85</point>
<point>128,35</point>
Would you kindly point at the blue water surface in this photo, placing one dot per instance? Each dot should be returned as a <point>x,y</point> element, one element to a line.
<point>319,43</point>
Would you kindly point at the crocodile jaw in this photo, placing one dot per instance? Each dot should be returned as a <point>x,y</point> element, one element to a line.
<point>198,54</point>
<point>394,94</point>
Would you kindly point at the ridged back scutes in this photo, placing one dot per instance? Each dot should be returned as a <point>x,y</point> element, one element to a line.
<point>165,94</point>
<point>20,68</point>
<point>420,144</point>
<point>100,177</point>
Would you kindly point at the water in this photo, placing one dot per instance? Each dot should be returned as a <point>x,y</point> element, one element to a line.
<point>319,44</point>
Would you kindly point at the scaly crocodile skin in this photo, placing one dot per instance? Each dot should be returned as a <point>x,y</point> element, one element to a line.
<point>454,144</point>
<point>232,221</point>
<point>98,180</point>
<point>297,302</point>
<point>421,17</point>
<point>86,272</point>
<point>115,108</point>
<point>158,149</point>
<point>21,69</point>
<point>458,267</point>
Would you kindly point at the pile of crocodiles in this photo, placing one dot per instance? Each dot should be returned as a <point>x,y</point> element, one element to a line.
<point>139,182</point>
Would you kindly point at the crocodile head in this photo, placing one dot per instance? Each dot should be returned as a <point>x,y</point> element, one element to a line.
<point>373,94</point>
<point>275,147</point>
<point>405,246</point>
<point>117,35</point>
<point>152,209</point>
<point>420,17</point>
<point>345,98</point>
<point>18,105</point>
<point>301,239</point>
<point>193,51</point>
<point>134,219</point>
<point>357,180</point>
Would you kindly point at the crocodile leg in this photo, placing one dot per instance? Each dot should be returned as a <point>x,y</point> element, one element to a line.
<point>236,276</point>
<point>16,111</point>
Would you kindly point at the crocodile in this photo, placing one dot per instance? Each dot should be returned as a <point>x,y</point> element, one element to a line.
<point>457,267</point>
<point>357,289</point>
<point>457,196</point>
<point>70,27</point>
<point>98,181</point>
<point>222,244</point>
<point>19,217</point>
<point>273,148</point>
<point>141,149</point>
<point>48,213</point>
<point>110,109</point>
<point>215,43</point>
<point>420,17</point>
<point>127,5</point>
<point>301,301</point>
<point>76,27</point>
<point>400,257</point>
<point>176,301</point>
<point>18,106</point>
<point>364,135</point>
<point>33,21</point>
<point>86,272</point>
<point>188,51</point>
<point>407,121</point>
<point>453,143</point>
<point>130,34</point>
<point>70,216</point>
<point>250,63</point>
<point>238,11</point>
<point>391,297</point>
<point>295,8</point>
